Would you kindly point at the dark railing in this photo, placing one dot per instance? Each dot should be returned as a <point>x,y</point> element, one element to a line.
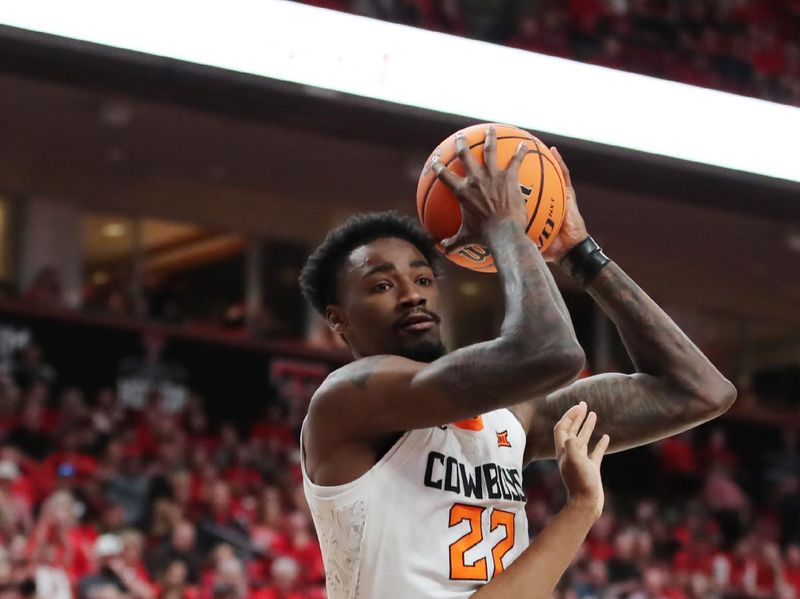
<point>235,375</point>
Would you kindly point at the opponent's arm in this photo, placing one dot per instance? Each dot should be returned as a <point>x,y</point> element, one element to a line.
<point>535,353</point>
<point>535,573</point>
<point>675,387</point>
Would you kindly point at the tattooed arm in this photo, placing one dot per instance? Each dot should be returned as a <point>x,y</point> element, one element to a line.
<point>675,387</point>
<point>535,353</point>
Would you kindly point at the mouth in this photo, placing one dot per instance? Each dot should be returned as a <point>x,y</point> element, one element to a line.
<point>417,322</point>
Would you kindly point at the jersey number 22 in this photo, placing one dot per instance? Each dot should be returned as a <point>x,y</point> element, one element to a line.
<point>459,569</point>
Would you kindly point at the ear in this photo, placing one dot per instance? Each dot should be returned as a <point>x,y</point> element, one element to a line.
<point>336,320</point>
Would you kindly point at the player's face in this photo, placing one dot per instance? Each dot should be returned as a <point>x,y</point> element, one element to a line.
<point>388,302</point>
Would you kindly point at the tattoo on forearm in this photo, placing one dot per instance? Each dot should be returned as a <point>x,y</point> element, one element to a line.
<point>676,386</point>
<point>655,343</point>
<point>487,373</point>
<point>632,409</point>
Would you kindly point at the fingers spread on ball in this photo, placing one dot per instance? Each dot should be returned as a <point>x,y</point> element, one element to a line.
<point>562,165</point>
<point>445,175</point>
<point>490,148</point>
<point>517,158</point>
<point>465,155</point>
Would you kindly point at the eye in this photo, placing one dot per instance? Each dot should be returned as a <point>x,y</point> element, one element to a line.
<point>425,281</point>
<point>381,287</point>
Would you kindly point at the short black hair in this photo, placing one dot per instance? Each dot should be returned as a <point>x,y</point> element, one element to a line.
<point>319,276</point>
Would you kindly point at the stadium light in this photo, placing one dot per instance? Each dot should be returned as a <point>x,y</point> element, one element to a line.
<point>405,65</point>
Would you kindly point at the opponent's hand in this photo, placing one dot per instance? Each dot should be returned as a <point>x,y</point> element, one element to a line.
<point>487,193</point>
<point>573,229</point>
<point>579,469</point>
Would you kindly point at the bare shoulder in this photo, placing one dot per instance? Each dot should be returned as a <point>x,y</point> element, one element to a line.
<point>343,429</point>
<point>351,392</point>
<point>353,376</point>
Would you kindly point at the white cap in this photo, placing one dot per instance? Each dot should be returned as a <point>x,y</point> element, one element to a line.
<point>285,566</point>
<point>107,545</point>
<point>8,470</point>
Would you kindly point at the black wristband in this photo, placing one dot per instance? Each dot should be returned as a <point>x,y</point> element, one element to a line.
<point>585,261</point>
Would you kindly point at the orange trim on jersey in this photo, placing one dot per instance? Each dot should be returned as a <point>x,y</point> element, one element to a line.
<point>471,424</point>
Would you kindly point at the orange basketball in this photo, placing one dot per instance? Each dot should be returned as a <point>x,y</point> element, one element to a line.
<point>541,184</point>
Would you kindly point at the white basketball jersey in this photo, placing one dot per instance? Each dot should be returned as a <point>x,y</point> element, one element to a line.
<point>438,516</point>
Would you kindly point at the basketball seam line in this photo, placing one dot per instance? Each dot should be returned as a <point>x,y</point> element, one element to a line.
<point>541,191</point>
<point>563,182</point>
<point>563,198</point>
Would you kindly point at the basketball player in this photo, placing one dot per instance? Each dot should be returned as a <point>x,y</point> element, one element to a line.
<point>412,457</point>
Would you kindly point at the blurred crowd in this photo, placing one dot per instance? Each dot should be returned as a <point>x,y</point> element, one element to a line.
<point>749,47</point>
<point>687,518</point>
<point>101,500</point>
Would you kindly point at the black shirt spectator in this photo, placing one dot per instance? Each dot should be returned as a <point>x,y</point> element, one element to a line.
<point>180,547</point>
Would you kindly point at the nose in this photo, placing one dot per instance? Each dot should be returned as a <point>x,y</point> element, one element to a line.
<point>410,296</point>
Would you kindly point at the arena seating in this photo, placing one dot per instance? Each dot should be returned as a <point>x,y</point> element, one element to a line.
<point>749,47</point>
<point>99,498</point>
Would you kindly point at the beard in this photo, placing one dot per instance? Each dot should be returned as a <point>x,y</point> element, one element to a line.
<point>424,350</point>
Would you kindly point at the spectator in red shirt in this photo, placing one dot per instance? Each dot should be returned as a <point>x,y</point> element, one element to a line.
<point>285,581</point>
<point>58,526</point>
<point>240,474</point>
<point>697,556</point>
<point>727,501</point>
<point>227,579</point>
<point>113,570</point>
<point>273,432</point>
<point>717,452</point>
<point>133,544</point>
<point>599,541</point>
<point>791,572</point>
<point>196,424</point>
<point>304,548</point>
<point>70,465</point>
<point>656,585</point>
<point>679,465</point>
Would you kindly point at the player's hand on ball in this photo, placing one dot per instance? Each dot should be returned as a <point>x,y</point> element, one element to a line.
<point>487,193</point>
<point>579,468</point>
<point>573,230</point>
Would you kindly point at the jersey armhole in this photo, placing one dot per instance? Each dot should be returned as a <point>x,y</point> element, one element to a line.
<point>400,450</point>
